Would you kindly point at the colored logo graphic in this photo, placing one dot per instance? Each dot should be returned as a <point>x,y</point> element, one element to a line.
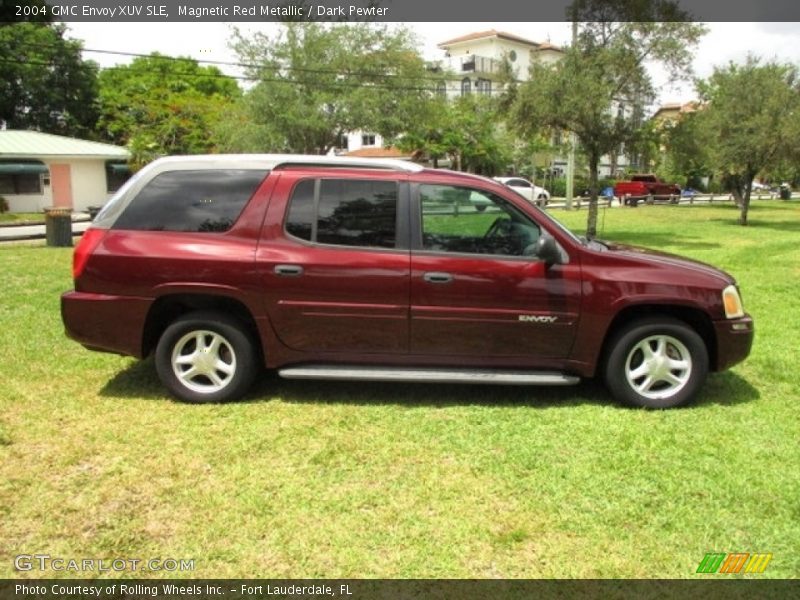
<point>735,562</point>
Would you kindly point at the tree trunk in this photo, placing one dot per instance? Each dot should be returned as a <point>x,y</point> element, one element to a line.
<point>591,220</point>
<point>745,205</point>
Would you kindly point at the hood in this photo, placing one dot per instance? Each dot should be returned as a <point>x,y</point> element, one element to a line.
<point>666,259</point>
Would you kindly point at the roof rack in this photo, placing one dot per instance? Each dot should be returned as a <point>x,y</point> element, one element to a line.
<point>273,161</point>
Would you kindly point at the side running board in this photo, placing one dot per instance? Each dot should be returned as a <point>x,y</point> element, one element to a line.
<point>429,375</point>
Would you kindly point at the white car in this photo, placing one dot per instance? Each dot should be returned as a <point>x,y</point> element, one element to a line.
<point>525,188</point>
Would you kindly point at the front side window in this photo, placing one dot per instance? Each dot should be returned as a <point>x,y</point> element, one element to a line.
<point>465,220</point>
<point>208,200</point>
<point>344,212</point>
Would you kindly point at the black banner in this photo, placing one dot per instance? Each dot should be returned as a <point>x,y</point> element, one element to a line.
<point>373,10</point>
<point>375,589</point>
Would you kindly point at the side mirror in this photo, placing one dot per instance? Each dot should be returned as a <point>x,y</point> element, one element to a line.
<point>547,249</point>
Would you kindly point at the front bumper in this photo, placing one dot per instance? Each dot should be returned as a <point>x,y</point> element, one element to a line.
<point>734,340</point>
<point>105,323</point>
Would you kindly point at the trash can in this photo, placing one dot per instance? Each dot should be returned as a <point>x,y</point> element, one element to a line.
<point>786,192</point>
<point>58,226</point>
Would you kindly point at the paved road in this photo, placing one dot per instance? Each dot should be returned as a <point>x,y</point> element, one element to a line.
<point>33,232</point>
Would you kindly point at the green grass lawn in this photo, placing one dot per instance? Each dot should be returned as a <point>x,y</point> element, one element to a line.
<point>353,480</point>
<point>21,218</point>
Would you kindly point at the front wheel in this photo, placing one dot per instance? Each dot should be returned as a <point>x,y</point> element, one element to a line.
<point>656,363</point>
<point>206,357</point>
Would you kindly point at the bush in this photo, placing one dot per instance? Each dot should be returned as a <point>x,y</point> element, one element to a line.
<point>558,187</point>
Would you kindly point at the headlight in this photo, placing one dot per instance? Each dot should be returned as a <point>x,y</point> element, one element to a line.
<point>732,302</point>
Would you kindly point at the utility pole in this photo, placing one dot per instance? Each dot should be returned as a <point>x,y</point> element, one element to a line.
<point>572,140</point>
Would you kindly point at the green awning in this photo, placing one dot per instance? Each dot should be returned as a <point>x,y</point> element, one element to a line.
<point>22,168</point>
<point>119,168</point>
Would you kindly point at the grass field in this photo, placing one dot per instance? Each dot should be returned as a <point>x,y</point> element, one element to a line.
<point>21,218</point>
<point>414,481</point>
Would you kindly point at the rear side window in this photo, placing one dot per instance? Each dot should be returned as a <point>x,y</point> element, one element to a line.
<point>344,212</point>
<point>208,200</point>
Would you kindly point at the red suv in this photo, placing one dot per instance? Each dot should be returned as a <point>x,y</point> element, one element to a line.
<point>383,270</point>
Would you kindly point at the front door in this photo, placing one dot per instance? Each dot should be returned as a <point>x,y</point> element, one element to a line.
<point>335,271</point>
<point>61,184</point>
<point>477,288</point>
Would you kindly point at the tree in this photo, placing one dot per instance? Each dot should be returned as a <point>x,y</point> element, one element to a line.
<point>44,82</point>
<point>686,157</point>
<point>751,120</point>
<point>162,105</point>
<point>589,91</point>
<point>465,130</point>
<point>316,82</point>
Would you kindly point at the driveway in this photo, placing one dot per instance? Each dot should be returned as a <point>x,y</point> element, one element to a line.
<point>80,223</point>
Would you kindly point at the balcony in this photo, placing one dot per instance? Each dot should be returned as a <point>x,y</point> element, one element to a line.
<point>479,64</point>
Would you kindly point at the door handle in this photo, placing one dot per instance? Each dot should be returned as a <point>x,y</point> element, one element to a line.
<point>437,277</point>
<point>288,270</point>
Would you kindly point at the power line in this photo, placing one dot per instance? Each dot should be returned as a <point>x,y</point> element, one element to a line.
<point>220,75</point>
<point>309,84</point>
<point>252,66</point>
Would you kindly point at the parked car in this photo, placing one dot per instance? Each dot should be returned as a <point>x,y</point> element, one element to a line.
<point>645,185</point>
<point>335,268</point>
<point>526,189</point>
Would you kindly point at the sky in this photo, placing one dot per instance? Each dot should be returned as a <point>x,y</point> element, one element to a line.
<point>209,41</point>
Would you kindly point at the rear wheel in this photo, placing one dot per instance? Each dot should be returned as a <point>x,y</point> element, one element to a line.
<point>206,357</point>
<point>656,363</point>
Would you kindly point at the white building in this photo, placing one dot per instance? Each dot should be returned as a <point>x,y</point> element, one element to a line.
<point>477,59</point>
<point>39,170</point>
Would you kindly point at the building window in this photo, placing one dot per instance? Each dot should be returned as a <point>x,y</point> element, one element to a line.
<point>441,89</point>
<point>368,139</point>
<point>117,173</point>
<point>466,86</point>
<point>484,86</point>
<point>21,177</point>
<point>512,56</point>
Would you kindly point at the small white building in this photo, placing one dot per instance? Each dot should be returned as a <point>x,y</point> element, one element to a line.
<point>39,170</point>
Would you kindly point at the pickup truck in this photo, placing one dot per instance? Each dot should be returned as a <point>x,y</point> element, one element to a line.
<point>641,186</point>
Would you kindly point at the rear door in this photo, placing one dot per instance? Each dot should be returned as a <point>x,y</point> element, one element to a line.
<point>477,288</point>
<point>335,262</point>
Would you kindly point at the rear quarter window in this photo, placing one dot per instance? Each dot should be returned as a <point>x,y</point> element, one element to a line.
<point>208,200</point>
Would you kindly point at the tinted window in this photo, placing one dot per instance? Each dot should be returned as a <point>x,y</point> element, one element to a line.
<point>471,221</point>
<point>20,184</point>
<point>301,211</point>
<point>116,175</point>
<point>206,200</point>
<point>348,213</point>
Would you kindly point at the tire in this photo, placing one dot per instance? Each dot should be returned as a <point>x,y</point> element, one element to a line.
<point>542,200</point>
<point>227,365</point>
<point>675,383</point>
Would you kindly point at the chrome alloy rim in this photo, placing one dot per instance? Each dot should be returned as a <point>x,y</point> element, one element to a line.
<point>658,367</point>
<point>203,361</point>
